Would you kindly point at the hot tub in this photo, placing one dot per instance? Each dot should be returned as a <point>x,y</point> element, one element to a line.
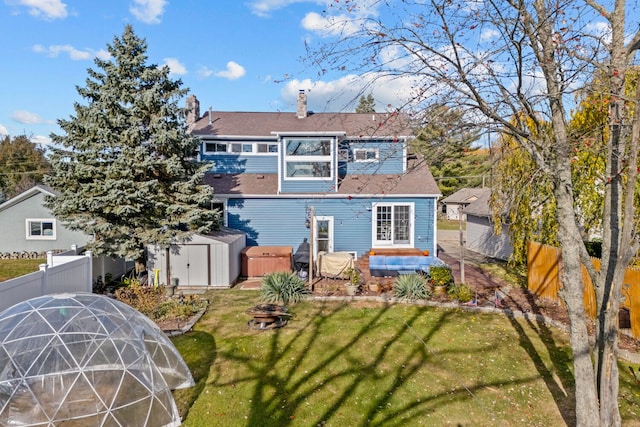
<point>260,260</point>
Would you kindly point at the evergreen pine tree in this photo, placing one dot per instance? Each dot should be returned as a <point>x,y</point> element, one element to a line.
<point>446,142</point>
<point>125,167</point>
<point>366,104</point>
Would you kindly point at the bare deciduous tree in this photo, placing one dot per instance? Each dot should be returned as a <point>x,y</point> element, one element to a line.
<point>515,65</point>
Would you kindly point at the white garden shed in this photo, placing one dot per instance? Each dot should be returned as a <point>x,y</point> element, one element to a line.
<point>206,261</point>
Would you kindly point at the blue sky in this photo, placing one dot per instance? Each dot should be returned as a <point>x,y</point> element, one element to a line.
<point>234,55</point>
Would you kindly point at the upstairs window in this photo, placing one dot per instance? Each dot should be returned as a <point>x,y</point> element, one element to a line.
<point>308,158</point>
<point>244,147</point>
<point>365,154</point>
<point>215,147</point>
<point>40,229</point>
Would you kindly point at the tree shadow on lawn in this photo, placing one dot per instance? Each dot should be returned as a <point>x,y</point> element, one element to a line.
<point>294,387</point>
<point>191,347</point>
<point>559,381</point>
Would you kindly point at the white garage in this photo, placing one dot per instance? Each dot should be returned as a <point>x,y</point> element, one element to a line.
<point>207,261</point>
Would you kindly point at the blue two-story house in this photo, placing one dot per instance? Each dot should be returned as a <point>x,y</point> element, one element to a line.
<point>345,180</point>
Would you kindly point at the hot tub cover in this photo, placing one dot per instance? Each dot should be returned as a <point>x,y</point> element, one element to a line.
<point>86,360</point>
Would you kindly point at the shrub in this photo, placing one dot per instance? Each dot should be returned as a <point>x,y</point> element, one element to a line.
<point>145,299</point>
<point>440,276</point>
<point>460,292</point>
<point>284,288</point>
<point>154,303</point>
<point>411,287</point>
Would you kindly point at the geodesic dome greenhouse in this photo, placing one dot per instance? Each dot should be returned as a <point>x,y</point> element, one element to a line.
<point>86,360</point>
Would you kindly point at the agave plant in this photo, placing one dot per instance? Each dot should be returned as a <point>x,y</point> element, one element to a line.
<point>411,287</point>
<point>284,288</point>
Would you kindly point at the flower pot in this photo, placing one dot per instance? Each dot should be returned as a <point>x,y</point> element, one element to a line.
<point>351,289</point>
<point>439,290</point>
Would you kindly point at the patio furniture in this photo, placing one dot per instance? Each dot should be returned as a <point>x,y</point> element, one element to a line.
<point>334,264</point>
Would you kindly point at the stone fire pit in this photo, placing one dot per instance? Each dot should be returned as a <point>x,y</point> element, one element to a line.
<point>268,316</point>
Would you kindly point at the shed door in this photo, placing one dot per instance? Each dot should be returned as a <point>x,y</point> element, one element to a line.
<point>191,265</point>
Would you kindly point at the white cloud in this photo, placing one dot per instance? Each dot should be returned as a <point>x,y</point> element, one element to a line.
<point>234,71</point>
<point>264,8</point>
<point>45,9</point>
<point>329,25</point>
<point>41,139</point>
<point>54,51</point>
<point>3,130</point>
<point>26,117</point>
<point>204,72</point>
<point>489,34</point>
<point>148,11</point>
<point>344,93</point>
<point>175,66</point>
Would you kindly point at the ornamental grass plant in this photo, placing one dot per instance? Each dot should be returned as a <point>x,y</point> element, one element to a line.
<point>411,287</point>
<point>282,287</point>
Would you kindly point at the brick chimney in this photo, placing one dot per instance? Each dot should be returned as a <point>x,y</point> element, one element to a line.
<point>302,104</point>
<point>193,111</point>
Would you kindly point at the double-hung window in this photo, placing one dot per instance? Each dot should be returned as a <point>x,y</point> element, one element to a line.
<point>40,229</point>
<point>308,158</point>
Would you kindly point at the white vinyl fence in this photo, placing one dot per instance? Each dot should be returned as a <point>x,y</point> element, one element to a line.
<point>61,273</point>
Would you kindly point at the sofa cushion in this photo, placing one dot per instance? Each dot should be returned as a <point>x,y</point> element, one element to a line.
<point>389,265</point>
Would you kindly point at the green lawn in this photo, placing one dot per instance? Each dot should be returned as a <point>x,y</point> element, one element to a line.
<point>445,224</point>
<point>366,364</point>
<point>11,268</point>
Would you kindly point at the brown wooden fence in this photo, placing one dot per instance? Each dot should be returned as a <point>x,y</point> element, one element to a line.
<point>544,263</point>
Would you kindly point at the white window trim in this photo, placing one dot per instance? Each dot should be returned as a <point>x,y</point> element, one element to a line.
<point>309,159</point>
<point>374,150</point>
<point>28,235</point>
<point>331,223</point>
<point>225,210</point>
<point>375,243</point>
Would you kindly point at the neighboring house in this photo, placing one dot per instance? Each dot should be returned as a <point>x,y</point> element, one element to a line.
<point>453,204</point>
<point>344,180</point>
<point>481,236</point>
<point>27,225</point>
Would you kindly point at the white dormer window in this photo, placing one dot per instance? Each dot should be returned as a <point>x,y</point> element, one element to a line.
<point>365,154</point>
<point>308,158</point>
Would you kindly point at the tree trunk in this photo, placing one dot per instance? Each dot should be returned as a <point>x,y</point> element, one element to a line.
<point>572,294</point>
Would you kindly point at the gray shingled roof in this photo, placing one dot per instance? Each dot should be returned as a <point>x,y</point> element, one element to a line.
<point>464,195</point>
<point>416,181</point>
<point>480,206</point>
<point>264,124</point>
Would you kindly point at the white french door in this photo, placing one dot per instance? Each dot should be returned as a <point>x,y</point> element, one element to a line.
<point>392,224</point>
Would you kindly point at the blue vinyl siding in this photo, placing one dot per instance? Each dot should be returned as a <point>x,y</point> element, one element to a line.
<point>233,163</point>
<point>390,157</point>
<point>281,222</point>
<point>309,186</point>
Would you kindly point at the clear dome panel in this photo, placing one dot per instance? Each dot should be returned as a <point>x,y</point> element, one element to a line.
<point>86,360</point>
